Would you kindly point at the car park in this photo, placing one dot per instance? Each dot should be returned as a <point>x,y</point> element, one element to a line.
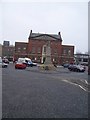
<point>76,68</point>
<point>20,65</point>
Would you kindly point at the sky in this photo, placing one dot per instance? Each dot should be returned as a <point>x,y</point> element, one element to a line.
<point>18,17</point>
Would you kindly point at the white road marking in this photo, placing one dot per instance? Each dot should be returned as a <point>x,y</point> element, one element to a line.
<point>69,82</point>
<point>82,88</point>
<point>86,82</point>
<point>75,84</point>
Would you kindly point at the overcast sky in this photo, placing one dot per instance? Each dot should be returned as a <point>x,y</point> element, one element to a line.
<point>70,18</point>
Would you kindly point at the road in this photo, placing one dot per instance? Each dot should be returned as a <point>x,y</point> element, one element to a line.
<point>32,93</point>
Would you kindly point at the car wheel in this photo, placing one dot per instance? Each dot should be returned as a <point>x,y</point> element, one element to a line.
<point>78,70</point>
<point>31,65</point>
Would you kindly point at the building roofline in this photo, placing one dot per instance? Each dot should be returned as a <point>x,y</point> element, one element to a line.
<point>21,42</point>
<point>69,45</point>
<point>36,35</point>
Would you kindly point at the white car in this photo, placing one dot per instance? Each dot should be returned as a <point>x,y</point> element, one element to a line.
<point>2,64</point>
<point>27,61</point>
<point>77,68</point>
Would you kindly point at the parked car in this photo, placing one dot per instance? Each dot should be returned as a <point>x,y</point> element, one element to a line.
<point>27,62</point>
<point>77,68</point>
<point>2,64</point>
<point>5,60</point>
<point>66,65</point>
<point>20,65</point>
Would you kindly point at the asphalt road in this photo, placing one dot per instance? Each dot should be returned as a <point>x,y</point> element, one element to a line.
<point>32,93</point>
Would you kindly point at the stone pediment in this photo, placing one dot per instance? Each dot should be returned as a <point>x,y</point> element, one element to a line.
<point>44,37</point>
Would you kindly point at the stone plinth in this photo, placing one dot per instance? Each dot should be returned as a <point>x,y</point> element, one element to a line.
<point>46,67</point>
<point>47,64</point>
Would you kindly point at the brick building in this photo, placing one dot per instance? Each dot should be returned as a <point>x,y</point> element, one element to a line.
<point>6,43</point>
<point>36,43</point>
<point>67,55</point>
<point>8,50</point>
<point>20,50</point>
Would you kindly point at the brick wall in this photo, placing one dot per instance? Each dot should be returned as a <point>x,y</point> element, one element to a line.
<point>59,53</point>
<point>67,54</point>
<point>20,50</point>
<point>35,50</point>
<point>8,51</point>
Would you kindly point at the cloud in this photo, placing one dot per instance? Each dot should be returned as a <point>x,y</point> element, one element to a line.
<point>71,19</point>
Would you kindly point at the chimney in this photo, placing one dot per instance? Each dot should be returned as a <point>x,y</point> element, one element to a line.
<point>31,31</point>
<point>59,33</point>
<point>30,35</point>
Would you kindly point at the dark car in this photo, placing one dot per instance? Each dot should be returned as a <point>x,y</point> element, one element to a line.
<point>20,65</point>
<point>66,65</point>
<point>76,68</point>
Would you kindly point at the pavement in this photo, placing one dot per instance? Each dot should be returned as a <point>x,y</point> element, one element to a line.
<point>80,79</point>
<point>33,93</point>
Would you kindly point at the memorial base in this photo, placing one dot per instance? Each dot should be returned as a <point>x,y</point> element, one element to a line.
<point>47,67</point>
